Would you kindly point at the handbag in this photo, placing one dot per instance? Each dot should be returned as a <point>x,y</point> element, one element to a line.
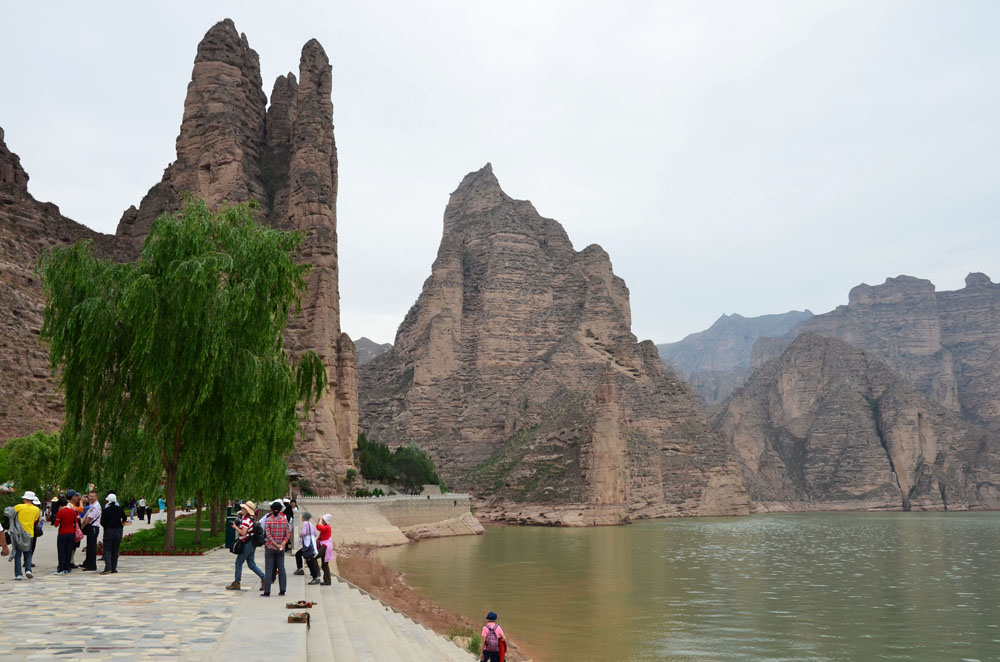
<point>78,534</point>
<point>39,529</point>
<point>238,546</point>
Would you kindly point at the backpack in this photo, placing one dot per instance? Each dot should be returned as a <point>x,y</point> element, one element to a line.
<point>258,535</point>
<point>492,642</point>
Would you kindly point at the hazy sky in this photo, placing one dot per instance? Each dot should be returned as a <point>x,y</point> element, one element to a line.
<point>750,157</point>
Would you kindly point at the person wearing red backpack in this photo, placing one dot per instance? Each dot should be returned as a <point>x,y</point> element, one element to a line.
<point>493,640</point>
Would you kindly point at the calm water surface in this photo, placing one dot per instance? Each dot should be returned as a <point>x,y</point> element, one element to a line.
<point>816,587</point>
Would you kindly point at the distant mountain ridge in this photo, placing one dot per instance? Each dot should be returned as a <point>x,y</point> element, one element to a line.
<point>716,361</point>
<point>369,350</point>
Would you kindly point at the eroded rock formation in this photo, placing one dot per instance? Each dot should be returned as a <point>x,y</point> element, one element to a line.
<point>29,399</point>
<point>716,361</point>
<point>369,350</point>
<point>232,147</point>
<point>828,426</point>
<point>947,344</point>
<point>518,372</point>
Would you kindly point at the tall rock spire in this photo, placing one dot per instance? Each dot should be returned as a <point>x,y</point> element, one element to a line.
<point>518,372</point>
<point>233,147</point>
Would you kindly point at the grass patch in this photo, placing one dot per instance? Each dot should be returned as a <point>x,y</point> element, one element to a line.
<point>152,539</point>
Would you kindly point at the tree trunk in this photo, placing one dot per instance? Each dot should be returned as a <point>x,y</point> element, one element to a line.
<point>197,518</point>
<point>171,487</point>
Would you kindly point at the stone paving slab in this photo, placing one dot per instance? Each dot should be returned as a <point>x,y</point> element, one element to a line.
<point>154,608</point>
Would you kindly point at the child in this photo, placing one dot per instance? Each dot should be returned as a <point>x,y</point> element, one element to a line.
<point>494,642</point>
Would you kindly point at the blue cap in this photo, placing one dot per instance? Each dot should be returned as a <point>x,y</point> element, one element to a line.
<point>492,616</point>
<point>71,493</point>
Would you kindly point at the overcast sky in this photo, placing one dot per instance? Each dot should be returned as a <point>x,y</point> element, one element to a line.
<point>743,157</point>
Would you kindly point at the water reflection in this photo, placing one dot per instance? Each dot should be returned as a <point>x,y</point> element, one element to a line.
<point>817,587</point>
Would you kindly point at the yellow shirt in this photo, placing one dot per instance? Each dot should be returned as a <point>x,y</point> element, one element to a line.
<point>28,514</point>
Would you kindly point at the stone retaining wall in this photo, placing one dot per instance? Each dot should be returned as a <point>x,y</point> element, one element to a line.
<point>380,521</point>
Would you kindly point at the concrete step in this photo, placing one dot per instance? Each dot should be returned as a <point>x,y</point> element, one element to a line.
<point>319,641</point>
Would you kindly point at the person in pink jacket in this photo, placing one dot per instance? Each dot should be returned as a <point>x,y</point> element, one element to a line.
<point>326,545</point>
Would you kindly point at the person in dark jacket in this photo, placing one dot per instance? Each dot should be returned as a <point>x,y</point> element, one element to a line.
<point>113,522</point>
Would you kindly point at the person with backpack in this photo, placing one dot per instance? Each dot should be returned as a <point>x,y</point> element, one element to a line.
<point>245,537</point>
<point>493,640</point>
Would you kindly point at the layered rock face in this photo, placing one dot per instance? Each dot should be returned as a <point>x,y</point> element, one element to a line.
<point>369,350</point>
<point>716,361</point>
<point>517,371</point>
<point>29,399</point>
<point>233,147</point>
<point>829,426</point>
<point>947,344</point>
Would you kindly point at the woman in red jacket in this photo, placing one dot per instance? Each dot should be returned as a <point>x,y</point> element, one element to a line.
<point>66,539</point>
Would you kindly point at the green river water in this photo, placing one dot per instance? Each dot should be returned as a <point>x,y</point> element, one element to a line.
<point>767,588</point>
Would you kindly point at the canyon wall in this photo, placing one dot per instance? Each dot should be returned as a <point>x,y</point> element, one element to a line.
<point>517,370</point>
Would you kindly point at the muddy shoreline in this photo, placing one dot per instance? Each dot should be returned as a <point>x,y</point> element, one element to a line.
<point>360,565</point>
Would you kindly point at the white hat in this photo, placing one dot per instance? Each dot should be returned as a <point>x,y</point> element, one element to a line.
<point>112,498</point>
<point>36,501</point>
<point>29,496</point>
<point>284,501</point>
<point>327,518</point>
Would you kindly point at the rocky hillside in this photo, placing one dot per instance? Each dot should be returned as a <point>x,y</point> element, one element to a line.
<point>517,370</point>
<point>368,350</point>
<point>28,395</point>
<point>232,146</point>
<point>716,361</point>
<point>829,426</point>
<point>946,344</point>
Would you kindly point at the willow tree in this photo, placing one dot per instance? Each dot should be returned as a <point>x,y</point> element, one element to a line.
<point>173,365</point>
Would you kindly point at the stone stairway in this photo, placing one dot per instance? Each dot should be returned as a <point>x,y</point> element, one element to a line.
<point>349,625</point>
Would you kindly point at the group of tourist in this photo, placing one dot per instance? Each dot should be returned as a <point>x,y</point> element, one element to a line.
<point>273,532</point>
<point>75,520</point>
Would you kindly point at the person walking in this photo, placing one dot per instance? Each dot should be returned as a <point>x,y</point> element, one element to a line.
<point>163,505</point>
<point>244,534</point>
<point>309,551</point>
<point>113,521</point>
<point>493,640</point>
<point>4,549</point>
<point>22,519</point>
<point>141,509</point>
<point>277,533</point>
<point>91,528</point>
<point>66,536</point>
<point>325,545</point>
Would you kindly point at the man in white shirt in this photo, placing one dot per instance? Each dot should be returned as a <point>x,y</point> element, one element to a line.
<point>91,525</point>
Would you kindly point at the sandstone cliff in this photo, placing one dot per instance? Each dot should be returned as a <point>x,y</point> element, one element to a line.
<point>233,147</point>
<point>947,344</point>
<point>516,369</point>
<point>29,400</point>
<point>828,426</point>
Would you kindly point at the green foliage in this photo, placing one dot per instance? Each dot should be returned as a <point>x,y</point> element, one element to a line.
<point>172,366</point>
<point>475,645</point>
<point>352,474</point>
<point>154,538</point>
<point>408,466</point>
<point>493,471</point>
<point>31,463</point>
<point>362,492</point>
<point>306,487</point>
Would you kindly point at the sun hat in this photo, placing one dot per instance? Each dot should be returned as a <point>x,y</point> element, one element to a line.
<point>284,501</point>
<point>36,501</point>
<point>29,496</point>
<point>249,506</point>
<point>112,498</point>
<point>492,616</point>
<point>327,518</point>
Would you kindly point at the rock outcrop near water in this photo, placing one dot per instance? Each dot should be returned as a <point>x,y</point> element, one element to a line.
<point>828,426</point>
<point>29,399</point>
<point>947,344</point>
<point>716,361</point>
<point>518,372</point>
<point>232,147</point>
